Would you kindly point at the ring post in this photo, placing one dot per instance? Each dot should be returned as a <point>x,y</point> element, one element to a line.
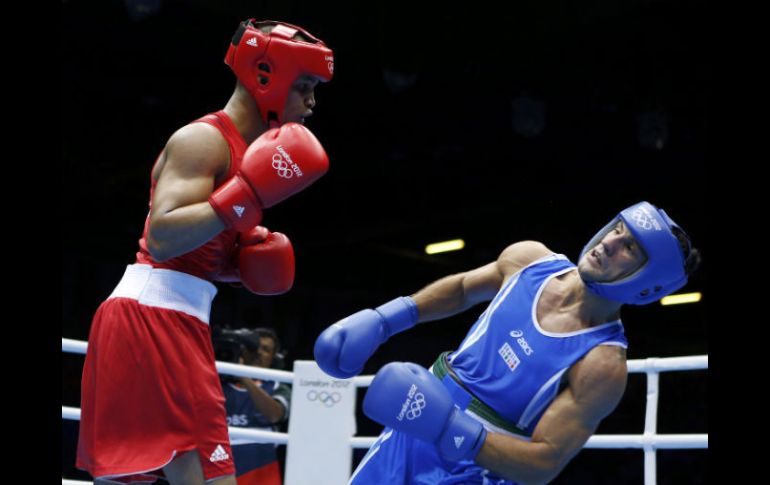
<point>321,425</point>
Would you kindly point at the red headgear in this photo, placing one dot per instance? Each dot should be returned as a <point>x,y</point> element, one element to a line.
<point>268,63</point>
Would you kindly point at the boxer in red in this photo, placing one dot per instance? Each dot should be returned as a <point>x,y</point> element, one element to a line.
<point>151,401</point>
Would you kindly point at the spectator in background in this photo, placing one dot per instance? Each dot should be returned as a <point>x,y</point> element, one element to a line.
<point>254,403</point>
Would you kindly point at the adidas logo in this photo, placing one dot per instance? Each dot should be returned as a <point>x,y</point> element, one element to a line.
<point>252,42</point>
<point>219,454</point>
<point>459,441</point>
<point>239,210</point>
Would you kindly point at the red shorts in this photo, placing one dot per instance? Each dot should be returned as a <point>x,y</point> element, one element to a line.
<point>150,388</point>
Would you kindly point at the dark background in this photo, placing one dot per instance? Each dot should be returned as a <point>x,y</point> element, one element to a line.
<point>541,122</point>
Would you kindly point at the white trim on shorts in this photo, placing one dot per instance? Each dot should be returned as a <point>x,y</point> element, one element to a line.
<point>166,288</point>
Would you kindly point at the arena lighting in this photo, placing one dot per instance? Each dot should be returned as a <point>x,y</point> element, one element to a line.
<point>681,298</point>
<point>444,246</point>
<point>141,9</point>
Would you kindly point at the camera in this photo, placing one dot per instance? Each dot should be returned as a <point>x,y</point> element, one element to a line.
<point>229,344</point>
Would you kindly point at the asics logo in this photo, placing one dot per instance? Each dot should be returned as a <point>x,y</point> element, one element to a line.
<point>519,336</point>
<point>281,167</point>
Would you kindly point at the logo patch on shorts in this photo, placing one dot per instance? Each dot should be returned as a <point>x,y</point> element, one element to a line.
<point>509,356</point>
<point>219,454</point>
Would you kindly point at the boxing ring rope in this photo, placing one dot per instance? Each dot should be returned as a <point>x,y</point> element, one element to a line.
<point>649,441</point>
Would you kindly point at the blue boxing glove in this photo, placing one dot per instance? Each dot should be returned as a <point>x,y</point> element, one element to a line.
<point>342,349</point>
<point>410,399</point>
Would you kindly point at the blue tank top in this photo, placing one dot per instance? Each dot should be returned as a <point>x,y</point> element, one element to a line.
<point>509,362</point>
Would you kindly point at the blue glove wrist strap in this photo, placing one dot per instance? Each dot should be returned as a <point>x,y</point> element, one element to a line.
<point>463,438</point>
<point>399,314</point>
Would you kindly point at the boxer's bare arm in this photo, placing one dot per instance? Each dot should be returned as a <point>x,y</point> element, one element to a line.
<point>181,218</point>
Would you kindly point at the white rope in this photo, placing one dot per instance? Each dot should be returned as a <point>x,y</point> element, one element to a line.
<point>665,364</point>
<point>70,413</point>
<point>658,441</point>
<point>251,435</point>
<point>73,346</point>
<point>634,366</point>
<point>363,381</point>
<point>650,441</point>
<point>255,372</point>
<point>605,441</point>
<point>362,441</point>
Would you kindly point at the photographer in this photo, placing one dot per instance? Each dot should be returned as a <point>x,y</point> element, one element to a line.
<point>252,403</point>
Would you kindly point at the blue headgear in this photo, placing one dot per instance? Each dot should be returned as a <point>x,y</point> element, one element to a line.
<point>662,273</point>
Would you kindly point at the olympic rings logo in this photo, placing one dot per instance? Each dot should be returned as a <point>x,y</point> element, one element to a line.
<point>642,220</point>
<point>416,406</point>
<point>326,398</point>
<point>281,167</point>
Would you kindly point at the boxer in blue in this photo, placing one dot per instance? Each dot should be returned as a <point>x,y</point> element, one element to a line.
<point>535,375</point>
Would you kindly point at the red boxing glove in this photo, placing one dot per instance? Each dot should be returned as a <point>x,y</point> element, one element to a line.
<point>266,262</point>
<point>229,272</point>
<point>280,163</point>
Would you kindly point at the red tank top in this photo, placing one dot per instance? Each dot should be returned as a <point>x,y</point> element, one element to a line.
<point>208,260</point>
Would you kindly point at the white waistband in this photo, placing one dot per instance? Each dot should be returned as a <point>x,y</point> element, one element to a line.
<point>166,288</point>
